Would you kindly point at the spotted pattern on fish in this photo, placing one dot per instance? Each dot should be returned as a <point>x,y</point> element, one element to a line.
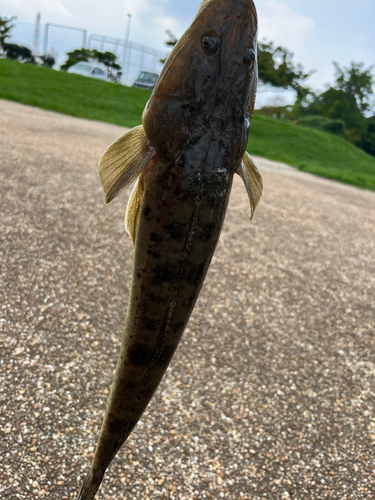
<point>184,157</point>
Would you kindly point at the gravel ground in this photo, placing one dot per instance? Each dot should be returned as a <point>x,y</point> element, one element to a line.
<point>271,392</point>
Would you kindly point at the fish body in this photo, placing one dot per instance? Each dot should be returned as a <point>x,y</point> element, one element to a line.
<point>184,157</point>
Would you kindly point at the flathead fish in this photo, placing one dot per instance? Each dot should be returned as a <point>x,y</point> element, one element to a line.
<point>184,156</point>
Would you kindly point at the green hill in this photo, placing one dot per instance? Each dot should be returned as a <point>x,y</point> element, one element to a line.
<point>310,150</point>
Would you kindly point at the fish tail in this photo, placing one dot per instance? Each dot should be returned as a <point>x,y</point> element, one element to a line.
<point>120,418</point>
<point>89,487</point>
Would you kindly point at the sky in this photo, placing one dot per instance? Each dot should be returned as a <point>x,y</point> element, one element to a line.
<point>316,31</point>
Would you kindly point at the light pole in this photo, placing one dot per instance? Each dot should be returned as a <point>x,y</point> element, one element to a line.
<point>126,45</point>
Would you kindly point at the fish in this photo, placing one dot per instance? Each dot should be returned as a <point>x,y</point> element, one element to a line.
<point>183,158</point>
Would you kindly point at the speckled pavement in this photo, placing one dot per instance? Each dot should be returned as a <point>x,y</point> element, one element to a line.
<point>271,392</point>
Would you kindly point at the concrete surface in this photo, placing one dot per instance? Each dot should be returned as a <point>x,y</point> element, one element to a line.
<point>271,392</point>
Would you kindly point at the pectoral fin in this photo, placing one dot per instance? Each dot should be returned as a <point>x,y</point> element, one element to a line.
<point>252,180</point>
<point>133,209</point>
<point>123,161</point>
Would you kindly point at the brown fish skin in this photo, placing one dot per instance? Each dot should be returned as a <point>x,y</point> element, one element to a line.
<point>197,121</point>
<point>196,93</point>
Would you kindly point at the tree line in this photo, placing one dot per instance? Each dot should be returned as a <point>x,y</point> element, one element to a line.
<point>19,52</point>
<point>345,108</point>
<point>24,54</point>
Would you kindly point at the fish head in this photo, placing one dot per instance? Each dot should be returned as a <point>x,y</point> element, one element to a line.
<point>208,83</point>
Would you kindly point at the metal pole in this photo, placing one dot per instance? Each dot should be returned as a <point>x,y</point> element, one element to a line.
<point>127,62</point>
<point>126,43</point>
<point>142,58</point>
<point>45,39</point>
<point>84,38</point>
<point>36,35</point>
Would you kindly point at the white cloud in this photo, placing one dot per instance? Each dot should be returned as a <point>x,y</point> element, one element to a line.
<point>136,7</point>
<point>163,23</point>
<point>26,11</point>
<point>150,20</point>
<point>55,6</point>
<point>279,23</point>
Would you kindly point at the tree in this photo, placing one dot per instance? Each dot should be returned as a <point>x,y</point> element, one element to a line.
<point>6,27</point>
<point>18,53</point>
<point>350,96</point>
<point>86,55</point>
<point>48,61</point>
<point>76,56</point>
<point>348,100</point>
<point>12,50</point>
<point>109,60</point>
<point>169,43</point>
<point>277,70</point>
<point>367,142</point>
<point>357,82</point>
<point>335,103</point>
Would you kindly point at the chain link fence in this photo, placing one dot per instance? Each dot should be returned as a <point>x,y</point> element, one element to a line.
<point>57,40</point>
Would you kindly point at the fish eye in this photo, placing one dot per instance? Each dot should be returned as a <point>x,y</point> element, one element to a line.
<point>209,44</point>
<point>249,58</point>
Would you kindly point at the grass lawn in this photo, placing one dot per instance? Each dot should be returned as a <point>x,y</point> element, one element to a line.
<point>312,151</point>
<point>309,150</point>
<point>70,94</point>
